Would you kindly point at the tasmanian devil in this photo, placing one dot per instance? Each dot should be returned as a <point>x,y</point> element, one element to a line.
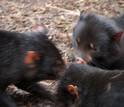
<point>86,86</point>
<point>99,41</point>
<point>25,59</point>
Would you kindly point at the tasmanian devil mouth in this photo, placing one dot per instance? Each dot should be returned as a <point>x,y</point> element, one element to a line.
<point>88,57</point>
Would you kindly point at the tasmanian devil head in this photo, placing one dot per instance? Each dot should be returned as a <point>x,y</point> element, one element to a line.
<point>96,39</point>
<point>44,56</point>
<point>86,86</point>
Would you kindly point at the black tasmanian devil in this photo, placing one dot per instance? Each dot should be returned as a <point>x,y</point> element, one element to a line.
<point>99,41</point>
<point>86,86</point>
<point>25,59</point>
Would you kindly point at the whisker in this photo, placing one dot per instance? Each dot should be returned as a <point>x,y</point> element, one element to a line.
<point>103,66</point>
<point>30,86</point>
<point>97,64</point>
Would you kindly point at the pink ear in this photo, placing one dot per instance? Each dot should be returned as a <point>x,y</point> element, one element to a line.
<point>72,89</point>
<point>32,58</point>
<point>39,28</point>
<point>117,36</point>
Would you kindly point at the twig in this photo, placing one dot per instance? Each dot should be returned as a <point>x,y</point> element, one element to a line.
<point>69,11</point>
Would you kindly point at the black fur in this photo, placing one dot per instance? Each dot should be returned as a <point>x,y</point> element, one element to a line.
<point>96,87</point>
<point>100,31</point>
<point>13,69</point>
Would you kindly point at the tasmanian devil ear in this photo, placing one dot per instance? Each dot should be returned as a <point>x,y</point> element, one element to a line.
<point>117,36</point>
<point>40,28</point>
<point>32,58</point>
<point>72,89</point>
<point>82,12</point>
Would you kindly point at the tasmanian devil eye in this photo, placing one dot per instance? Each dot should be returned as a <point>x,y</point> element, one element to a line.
<point>96,49</point>
<point>93,48</point>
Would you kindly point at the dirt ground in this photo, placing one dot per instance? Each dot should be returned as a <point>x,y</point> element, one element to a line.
<point>59,17</point>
